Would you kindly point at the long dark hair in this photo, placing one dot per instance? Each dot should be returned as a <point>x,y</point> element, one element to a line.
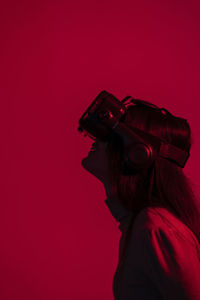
<point>164,183</point>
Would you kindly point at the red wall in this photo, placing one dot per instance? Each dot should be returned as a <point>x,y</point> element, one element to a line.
<point>57,237</point>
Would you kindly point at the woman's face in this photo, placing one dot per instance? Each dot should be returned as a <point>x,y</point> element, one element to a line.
<point>97,162</point>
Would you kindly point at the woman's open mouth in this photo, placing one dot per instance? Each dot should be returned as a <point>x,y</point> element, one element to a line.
<point>92,151</point>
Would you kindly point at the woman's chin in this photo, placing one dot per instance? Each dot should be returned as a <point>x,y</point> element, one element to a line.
<point>88,165</point>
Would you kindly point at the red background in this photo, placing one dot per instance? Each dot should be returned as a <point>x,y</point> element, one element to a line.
<point>57,238</point>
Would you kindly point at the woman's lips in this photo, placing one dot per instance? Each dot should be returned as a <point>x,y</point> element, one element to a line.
<point>92,151</point>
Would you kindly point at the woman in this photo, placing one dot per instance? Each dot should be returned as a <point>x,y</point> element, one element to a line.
<point>159,250</point>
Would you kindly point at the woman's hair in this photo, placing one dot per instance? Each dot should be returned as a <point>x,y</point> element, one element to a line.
<point>164,183</point>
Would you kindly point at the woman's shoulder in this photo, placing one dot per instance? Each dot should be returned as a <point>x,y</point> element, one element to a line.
<point>154,218</point>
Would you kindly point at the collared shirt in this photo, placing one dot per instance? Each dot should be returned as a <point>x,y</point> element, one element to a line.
<point>162,258</point>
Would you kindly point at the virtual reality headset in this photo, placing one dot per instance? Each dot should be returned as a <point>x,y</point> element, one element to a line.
<point>105,116</point>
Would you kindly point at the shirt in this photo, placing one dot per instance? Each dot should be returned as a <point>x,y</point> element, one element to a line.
<point>162,258</point>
